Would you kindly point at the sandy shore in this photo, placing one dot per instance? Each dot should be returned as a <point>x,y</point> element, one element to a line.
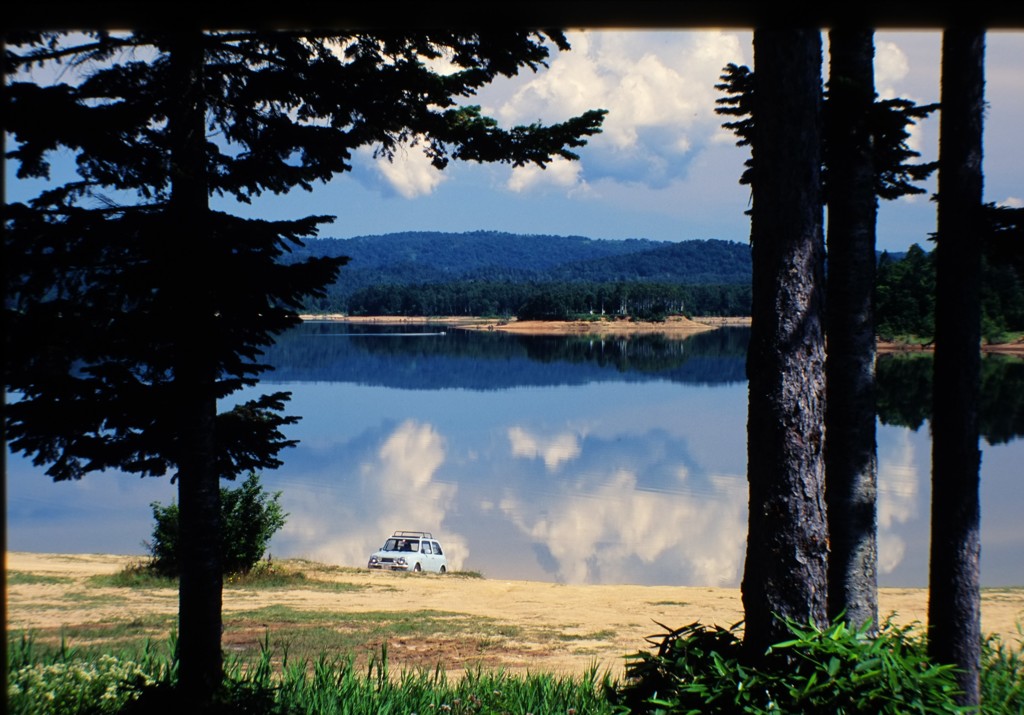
<point>537,626</point>
<point>675,326</point>
<point>1015,349</point>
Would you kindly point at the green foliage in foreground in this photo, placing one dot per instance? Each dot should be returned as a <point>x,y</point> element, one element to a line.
<point>1002,677</point>
<point>704,669</point>
<point>65,683</point>
<point>696,669</point>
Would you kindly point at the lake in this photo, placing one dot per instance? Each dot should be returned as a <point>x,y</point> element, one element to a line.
<point>574,460</point>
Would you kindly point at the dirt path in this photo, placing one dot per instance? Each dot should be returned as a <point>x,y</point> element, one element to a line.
<point>524,625</point>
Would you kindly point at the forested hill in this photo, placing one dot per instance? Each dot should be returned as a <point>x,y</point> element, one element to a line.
<point>418,258</point>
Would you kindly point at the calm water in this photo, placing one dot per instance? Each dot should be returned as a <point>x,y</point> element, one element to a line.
<point>553,459</point>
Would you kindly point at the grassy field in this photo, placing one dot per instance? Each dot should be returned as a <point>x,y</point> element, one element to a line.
<point>99,603</point>
<point>337,635</point>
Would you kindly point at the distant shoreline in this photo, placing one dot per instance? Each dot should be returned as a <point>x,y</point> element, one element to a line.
<point>675,326</point>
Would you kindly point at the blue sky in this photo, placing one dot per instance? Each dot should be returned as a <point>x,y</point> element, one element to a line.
<point>663,168</point>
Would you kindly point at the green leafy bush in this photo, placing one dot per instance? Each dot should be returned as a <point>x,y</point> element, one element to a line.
<point>1002,676</point>
<point>67,685</point>
<point>836,670</point>
<point>249,518</point>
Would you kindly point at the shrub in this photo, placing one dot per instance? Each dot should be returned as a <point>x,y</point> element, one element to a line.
<point>702,669</point>
<point>249,518</point>
<point>67,688</point>
<point>1002,676</point>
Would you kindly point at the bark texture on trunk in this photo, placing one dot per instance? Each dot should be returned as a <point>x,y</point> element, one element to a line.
<point>199,644</point>
<point>954,608</point>
<point>785,569</point>
<point>851,469</point>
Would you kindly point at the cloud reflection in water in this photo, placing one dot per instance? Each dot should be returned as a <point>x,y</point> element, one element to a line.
<point>640,513</point>
<point>897,499</point>
<point>396,488</point>
<point>552,470</point>
<point>604,526</point>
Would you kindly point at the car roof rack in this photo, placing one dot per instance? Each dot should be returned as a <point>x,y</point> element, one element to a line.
<point>413,534</point>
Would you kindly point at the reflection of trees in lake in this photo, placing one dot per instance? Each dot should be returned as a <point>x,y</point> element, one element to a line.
<point>904,389</point>
<point>1002,399</point>
<point>492,360</point>
<point>650,353</point>
<point>438,358</point>
<point>905,394</point>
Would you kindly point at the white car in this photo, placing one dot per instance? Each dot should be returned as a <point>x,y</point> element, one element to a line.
<point>410,551</point>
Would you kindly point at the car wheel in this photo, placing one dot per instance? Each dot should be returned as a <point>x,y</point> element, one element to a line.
<point>444,570</point>
<point>416,567</point>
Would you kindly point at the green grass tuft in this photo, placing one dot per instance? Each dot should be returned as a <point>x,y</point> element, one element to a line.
<point>25,578</point>
<point>134,575</point>
<point>823,669</point>
<point>67,683</point>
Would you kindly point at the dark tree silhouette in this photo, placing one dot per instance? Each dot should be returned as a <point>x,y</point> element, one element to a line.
<point>865,155</point>
<point>136,306</point>
<point>851,470</point>
<point>738,87</point>
<point>954,606</point>
<point>785,570</point>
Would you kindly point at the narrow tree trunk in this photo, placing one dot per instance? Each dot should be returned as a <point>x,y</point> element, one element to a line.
<point>190,288</point>
<point>785,570</point>
<point>954,607</point>
<point>6,333</point>
<point>850,451</point>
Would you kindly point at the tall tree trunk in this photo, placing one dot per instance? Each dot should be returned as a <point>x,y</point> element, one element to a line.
<point>785,570</point>
<point>191,298</point>
<point>851,469</point>
<point>954,607</point>
<point>7,262</point>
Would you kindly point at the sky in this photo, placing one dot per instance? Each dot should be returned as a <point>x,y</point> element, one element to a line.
<point>663,168</point>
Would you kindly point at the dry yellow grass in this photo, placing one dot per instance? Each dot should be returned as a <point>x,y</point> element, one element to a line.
<point>523,625</point>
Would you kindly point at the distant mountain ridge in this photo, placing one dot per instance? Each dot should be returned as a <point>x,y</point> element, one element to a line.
<point>422,257</point>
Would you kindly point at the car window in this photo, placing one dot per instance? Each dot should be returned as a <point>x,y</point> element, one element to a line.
<point>437,548</point>
<point>391,545</point>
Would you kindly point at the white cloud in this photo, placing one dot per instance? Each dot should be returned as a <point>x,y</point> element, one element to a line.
<point>658,88</point>
<point>1013,202</point>
<point>410,173</point>
<point>554,450</point>
<point>644,79</point>
<point>906,66</point>
<point>399,491</point>
<point>891,67</point>
<point>897,500</point>
<point>410,456</point>
<point>559,173</point>
<point>606,533</point>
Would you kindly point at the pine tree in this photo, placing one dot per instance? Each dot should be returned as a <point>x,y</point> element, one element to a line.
<point>785,568</point>
<point>865,155</point>
<point>954,581</point>
<point>851,465</point>
<point>133,305</point>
